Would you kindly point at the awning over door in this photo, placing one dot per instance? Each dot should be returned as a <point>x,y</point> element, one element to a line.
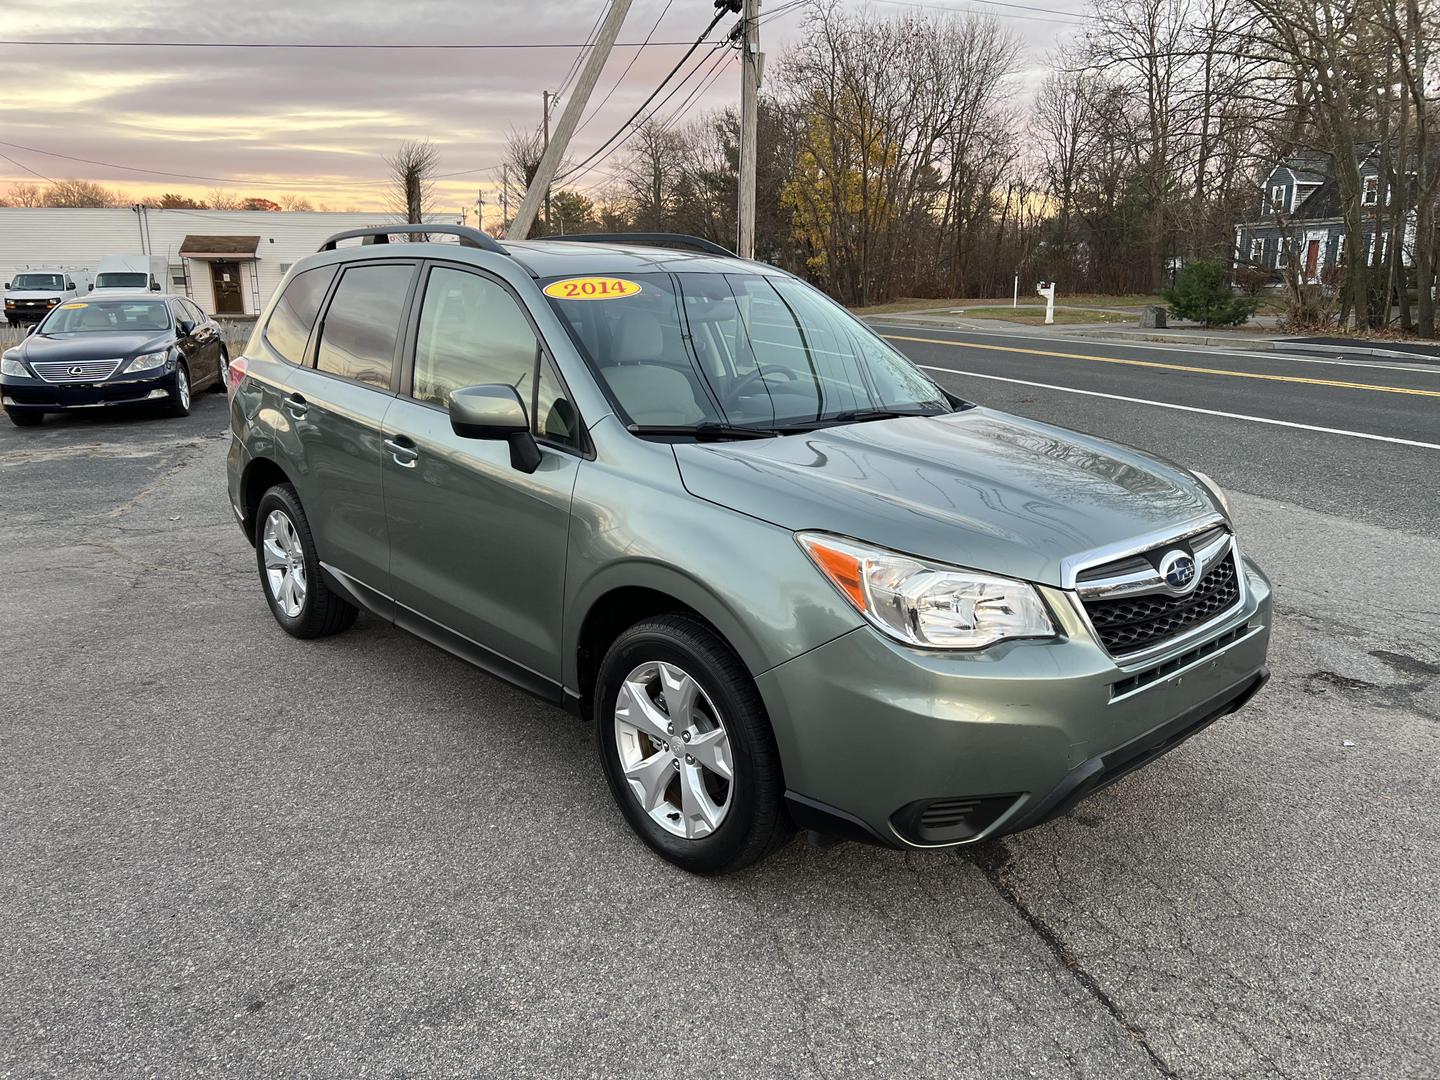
<point>230,248</point>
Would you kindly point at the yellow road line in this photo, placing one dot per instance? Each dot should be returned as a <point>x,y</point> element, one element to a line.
<point>1171,367</point>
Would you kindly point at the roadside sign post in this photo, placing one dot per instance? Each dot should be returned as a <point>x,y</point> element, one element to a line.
<point>1047,290</point>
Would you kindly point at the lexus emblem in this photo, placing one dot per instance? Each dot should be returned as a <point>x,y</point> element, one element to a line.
<point>1178,570</point>
<point>76,370</point>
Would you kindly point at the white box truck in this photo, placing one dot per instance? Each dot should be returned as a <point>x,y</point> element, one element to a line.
<point>133,272</point>
<point>34,290</point>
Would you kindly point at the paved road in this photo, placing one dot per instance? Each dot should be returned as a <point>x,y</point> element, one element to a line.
<point>226,852</point>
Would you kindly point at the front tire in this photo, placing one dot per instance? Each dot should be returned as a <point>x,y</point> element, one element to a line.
<point>25,419</point>
<point>301,602</point>
<point>179,403</point>
<point>687,747</point>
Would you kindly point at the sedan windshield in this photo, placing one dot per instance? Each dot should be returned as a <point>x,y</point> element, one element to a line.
<point>37,281</point>
<point>729,351</point>
<point>106,316</point>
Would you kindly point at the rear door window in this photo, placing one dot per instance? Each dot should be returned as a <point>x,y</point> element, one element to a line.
<point>362,324</point>
<point>290,323</point>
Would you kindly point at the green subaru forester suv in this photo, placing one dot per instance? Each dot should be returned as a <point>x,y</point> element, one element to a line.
<point>789,579</point>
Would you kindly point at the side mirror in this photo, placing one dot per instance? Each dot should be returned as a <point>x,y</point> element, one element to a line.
<point>154,285</point>
<point>7,284</point>
<point>33,327</point>
<point>495,412</point>
<point>92,286</point>
<point>185,326</point>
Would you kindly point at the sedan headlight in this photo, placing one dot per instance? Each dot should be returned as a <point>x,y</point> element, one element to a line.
<point>148,361</point>
<point>925,604</point>
<point>1214,489</point>
<point>10,365</point>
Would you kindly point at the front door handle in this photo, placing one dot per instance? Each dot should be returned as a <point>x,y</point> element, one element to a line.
<point>403,451</point>
<point>297,406</point>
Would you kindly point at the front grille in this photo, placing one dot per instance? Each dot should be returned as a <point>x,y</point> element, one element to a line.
<point>1129,624</point>
<point>79,371</point>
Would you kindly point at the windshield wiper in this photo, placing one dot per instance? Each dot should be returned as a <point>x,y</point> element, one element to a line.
<point>703,432</point>
<point>860,416</point>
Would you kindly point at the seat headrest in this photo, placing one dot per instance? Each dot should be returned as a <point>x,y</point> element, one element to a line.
<point>639,339</point>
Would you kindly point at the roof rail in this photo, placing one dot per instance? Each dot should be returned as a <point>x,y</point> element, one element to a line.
<point>380,234</point>
<point>649,239</point>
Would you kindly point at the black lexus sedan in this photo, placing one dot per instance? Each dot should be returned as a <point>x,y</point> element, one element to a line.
<point>129,348</point>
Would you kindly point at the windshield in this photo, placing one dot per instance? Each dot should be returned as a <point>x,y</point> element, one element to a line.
<point>739,350</point>
<point>121,281</point>
<point>106,316</point>
<point>38,281</point>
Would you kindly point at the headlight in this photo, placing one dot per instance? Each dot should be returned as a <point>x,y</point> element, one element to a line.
<point>148,361</point>
<point>1214,490</point>
<point>10,365</point>
<point>924,604</point>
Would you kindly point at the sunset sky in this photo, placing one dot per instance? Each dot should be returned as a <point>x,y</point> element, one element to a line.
<point>316,123</point>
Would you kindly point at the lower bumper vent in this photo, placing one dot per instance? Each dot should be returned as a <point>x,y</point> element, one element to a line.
<point>947,821</point>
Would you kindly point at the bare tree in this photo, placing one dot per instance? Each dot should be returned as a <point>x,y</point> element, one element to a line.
<point>222,200</point>
<point>295,202</point>
<point>25,195</point>
<point>81,193</point>
<point>412,174</point>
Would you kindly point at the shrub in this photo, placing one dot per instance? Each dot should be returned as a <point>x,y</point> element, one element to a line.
<point>1252,280</point>
<point>1202,294</point>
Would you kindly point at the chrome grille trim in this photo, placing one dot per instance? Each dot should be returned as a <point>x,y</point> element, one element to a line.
<point>59,371</point>
<point>1149,579</point>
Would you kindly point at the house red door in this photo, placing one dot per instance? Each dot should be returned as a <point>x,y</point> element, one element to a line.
<point>1312,259</point>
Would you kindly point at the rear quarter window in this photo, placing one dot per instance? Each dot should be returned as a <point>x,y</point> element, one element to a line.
<point>294,316</point>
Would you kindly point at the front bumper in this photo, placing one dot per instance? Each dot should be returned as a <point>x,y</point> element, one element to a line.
<point>928,749</point>
<point>37,395</point>
<point>22,311</point>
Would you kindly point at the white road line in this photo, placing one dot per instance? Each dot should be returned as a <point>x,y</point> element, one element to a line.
<point>1367,364</point>
<point>1188,408</point>
<point>1105,343</point>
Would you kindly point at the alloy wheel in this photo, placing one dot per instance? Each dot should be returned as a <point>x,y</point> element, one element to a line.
<point>284,563</point>
<point>182,385</point>
<point>674,750</point>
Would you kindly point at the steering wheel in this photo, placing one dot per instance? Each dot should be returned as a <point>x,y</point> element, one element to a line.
<point>742,387</point>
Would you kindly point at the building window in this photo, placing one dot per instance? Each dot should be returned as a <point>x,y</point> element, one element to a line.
<point>1370,191</point>
<point>177,276</point>
<point>1340,250</point>
<point>1277,198</point>
<point>1282,257</point>
<point>1257,251</point>
<point>285,268</point>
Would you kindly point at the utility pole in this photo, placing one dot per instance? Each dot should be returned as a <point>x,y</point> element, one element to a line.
<point>545,107</point>
<point>569,118</point>
<point>505,195</point>
<point>750,62</point>
<point>480,209</point>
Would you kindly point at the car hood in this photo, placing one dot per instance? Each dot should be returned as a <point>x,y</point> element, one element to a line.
<point>977,488</point>
<point>99,346</point>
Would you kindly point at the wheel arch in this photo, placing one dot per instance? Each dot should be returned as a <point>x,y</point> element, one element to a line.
<point>634,592</point>
<point>260,475</point>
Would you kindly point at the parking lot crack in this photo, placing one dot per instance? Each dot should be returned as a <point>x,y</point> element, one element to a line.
<point>993,860</point>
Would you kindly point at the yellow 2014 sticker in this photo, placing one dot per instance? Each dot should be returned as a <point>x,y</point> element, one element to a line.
<point>593,288</point>
<point>67,307</point>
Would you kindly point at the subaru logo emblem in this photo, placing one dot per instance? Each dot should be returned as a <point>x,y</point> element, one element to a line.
<point>1178,570</point>
<point>76,370</point>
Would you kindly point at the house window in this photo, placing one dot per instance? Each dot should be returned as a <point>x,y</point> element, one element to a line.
<point>1340,250</point>
<point>177,276</point>
<point>1257,251</point>
<point>1277,198</point>
<point>1282,257</point>
<point>1370,191</point>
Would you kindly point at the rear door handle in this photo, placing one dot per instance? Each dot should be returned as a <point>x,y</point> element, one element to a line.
<point>297,406</point>
<point>403,451</point>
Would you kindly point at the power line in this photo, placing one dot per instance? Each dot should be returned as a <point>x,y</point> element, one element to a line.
<point>653,94</point>
<point>1068,16</point>
<point>49,42</point>
<point>634,56</point>
<point>580,52</point>
<point>32,172</point>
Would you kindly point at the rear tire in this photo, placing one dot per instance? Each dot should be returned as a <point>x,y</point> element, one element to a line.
<point>694,816</point>
<point>285,554</point>
<point>224,373</point>
<point>25,419</point>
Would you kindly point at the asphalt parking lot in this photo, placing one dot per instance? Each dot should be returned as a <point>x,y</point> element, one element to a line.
<point>226,852</point>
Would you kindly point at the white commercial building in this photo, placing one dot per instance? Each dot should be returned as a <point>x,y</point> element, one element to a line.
<point>227,261</point>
